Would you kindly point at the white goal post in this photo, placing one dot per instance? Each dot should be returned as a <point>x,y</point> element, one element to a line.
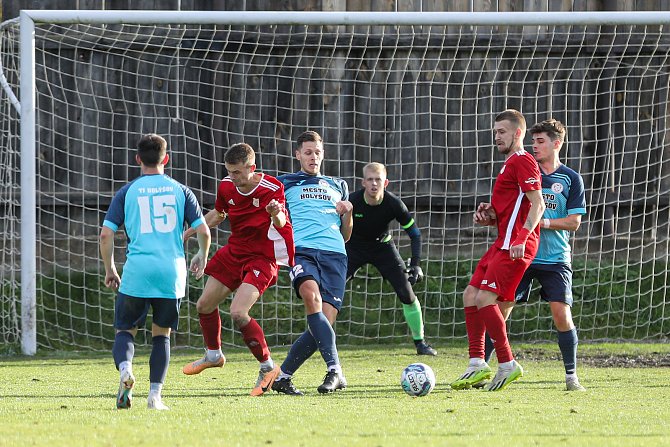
<point>416,91</point>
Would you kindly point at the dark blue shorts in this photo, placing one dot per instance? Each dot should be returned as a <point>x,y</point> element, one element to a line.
<point>555,281</point>
<point>327,268</point>
<point>131,312</point>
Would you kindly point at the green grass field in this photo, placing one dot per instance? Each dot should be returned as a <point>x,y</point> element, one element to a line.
<point>67,399</point>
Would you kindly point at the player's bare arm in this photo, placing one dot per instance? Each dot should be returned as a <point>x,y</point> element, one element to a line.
<point>518,247</point>
<point>485,215</point>
<point>112,278</point>
<point>569,223</point>
<point>199,261</point>
<point>276,212</point>
<point>213,218</point>
<point>345,209</point>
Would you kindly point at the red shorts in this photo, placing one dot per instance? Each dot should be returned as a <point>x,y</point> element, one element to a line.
<point>496,272</point>
<point>231,267</point>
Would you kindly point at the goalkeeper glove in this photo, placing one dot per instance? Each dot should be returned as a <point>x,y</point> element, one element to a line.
<point>415,274</point>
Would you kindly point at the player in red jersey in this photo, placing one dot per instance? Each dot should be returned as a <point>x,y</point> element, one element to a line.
<point>516,209</point>
<point>261,240</point>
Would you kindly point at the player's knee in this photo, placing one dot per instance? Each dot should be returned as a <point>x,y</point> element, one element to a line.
<point>313,303</point>
<point>204,307</point>
<point>240,317</point>
<point>406,298</point>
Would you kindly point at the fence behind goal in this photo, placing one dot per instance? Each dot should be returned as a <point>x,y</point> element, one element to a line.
<point>417,92</point>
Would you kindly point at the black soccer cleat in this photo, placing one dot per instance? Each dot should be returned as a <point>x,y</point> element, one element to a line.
<point>285,386</point>
<point>332,382</point>
<point>423,348</point>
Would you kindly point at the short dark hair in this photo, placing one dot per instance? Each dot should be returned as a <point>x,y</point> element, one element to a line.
<point>554,129</point>
<point>240,153</point>
<point>309,135</point>
<point>513,116</point>
<point>151,149</point>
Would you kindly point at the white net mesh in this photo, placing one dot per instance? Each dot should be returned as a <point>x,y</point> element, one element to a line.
<point>419,99</point>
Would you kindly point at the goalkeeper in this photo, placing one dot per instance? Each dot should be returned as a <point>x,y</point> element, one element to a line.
<point>371,243</point>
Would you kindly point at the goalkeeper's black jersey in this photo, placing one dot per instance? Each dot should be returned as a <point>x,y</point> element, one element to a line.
<point>371,223</point>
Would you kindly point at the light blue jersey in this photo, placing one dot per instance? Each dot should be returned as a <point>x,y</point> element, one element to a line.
<point>153,209</point>
<point>563,192</point>
<point>311,201</point>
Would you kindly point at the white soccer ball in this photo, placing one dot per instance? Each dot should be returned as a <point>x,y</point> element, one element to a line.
<point>418,379</point>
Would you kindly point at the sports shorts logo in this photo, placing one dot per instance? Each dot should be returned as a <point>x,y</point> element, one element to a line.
<point>492,285</point>
<point>339,300</point>
<point>557,188</point>
<point>256,272</point>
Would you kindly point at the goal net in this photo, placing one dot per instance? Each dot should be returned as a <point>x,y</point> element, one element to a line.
<point>417,92</point>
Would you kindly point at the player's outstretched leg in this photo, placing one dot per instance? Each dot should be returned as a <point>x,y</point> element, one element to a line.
<point>476,372</point>
<point>507,373</point>
<point>333,381</point>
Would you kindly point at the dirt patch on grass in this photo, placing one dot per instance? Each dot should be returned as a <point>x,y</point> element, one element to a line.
<point>651,360</point>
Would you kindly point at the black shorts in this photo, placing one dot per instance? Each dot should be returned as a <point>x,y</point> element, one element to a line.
<point>386,258</point>
<point>555,281</point>
<point>131,312</point>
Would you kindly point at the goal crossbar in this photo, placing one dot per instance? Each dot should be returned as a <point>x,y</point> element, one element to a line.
<point>27,106</point>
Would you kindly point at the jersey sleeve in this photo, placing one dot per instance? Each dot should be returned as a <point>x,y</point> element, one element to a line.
<point>527,174</point>
<point>192,210</point>
<point>220,204</point>
<point>116,212</point>
<point>344,189</point>
<point>576,203</point>
<point>402,214</point>
<point>280,197</point>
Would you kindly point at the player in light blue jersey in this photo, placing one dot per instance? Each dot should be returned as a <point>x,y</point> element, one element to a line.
<point>563,192</point>
<point>154,210</point>
<point>322,222</point>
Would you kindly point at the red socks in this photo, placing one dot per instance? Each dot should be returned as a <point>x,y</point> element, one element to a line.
<point>495,326</point>
<point>475,328</point>
<point>254,337</point>
<point>211,329</point>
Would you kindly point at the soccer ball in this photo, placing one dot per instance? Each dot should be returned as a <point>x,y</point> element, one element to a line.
<point>418,379</point>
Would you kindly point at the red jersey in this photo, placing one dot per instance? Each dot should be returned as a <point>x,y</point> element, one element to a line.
<point>252,231</point>
<point>519,174</point>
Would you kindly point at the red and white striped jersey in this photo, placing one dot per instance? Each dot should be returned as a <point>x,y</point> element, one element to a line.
<point>519,174</point>
<point>252,231</point>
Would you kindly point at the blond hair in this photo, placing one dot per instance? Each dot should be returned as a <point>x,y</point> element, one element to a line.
<point>376,167</point>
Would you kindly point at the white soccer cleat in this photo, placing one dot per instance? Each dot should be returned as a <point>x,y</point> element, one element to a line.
<point>472,376</point>
<point>156,403</point>
<point>505,376</point>
<point>572,384</point>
